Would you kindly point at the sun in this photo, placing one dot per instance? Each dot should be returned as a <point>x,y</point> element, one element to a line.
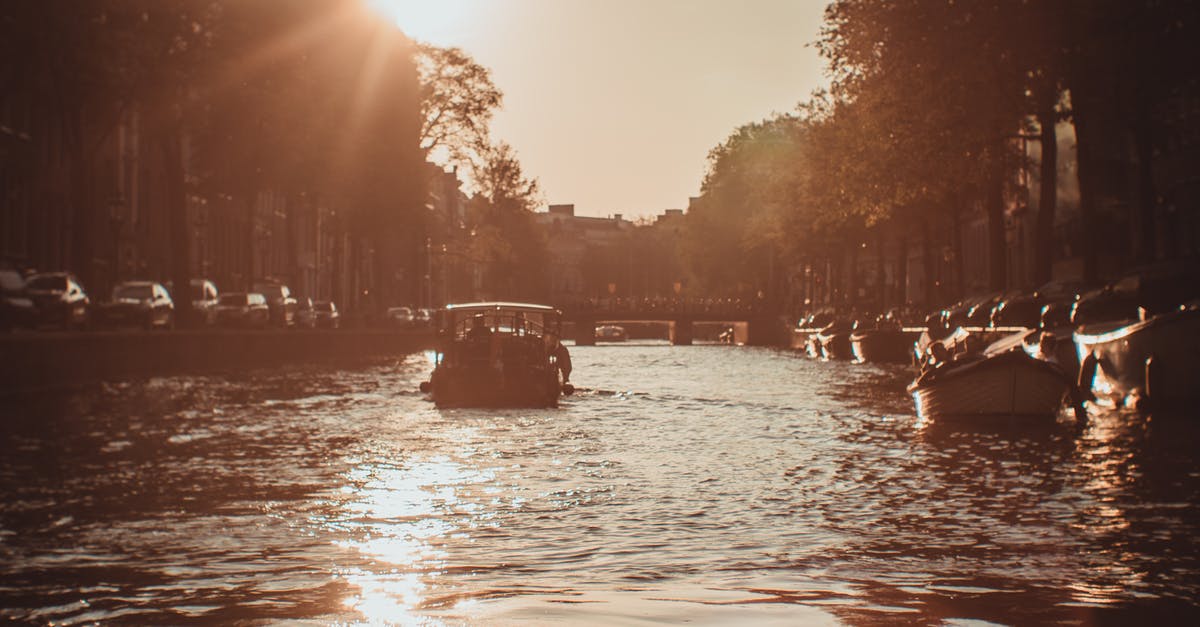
<point>433,21</point>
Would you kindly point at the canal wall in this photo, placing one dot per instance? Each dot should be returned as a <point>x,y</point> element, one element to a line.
<point>37,360</point>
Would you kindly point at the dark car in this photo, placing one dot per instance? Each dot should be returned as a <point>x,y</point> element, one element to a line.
<point>241,309</point>
<point>142,304</point>
<point>279,301</point>
<point>59,300</point>
<point>16,309</point>
<point>306,315</point>
<point>204,300</point>
<point>327,316</point>
<point>401,316</point>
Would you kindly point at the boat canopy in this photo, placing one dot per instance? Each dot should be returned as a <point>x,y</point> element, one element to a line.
<point>468,320</point>
<point>498,306</point>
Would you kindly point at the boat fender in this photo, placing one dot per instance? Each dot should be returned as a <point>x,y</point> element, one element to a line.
<point>568,389</point>
<point>1137,400</point>
<point>425,386</point>
<point>1151,375</point>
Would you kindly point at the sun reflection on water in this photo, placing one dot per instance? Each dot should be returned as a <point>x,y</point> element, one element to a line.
<point>399,518</point>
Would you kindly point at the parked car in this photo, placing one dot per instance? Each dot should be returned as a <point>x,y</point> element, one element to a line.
<point>306,316</point>
<point>138,303</point>
<point>16,308</point>
<point>280,303</point>
<point>400,316</point>
<point>242,309</point>
<point>423,317</point>
<point>327,316</point>
<point>203,293</point>
<point>59,300</point>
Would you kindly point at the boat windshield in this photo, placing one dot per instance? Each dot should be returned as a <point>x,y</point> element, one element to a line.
<point>467,324</point>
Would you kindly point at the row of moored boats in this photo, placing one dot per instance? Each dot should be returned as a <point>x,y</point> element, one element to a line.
<point>1133,343</point>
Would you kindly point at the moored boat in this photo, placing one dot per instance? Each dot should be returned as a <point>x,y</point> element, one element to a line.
<point>883,345</point>
<point>1150,363</point>
<point>497,354</point>
<point>611,333</point>
<point>1002,380</point>
<point>834,340</point>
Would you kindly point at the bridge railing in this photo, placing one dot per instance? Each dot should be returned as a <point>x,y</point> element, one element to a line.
<point>733,308</point>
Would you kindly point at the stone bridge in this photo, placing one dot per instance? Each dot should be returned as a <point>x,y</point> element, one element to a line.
<point>764,327</point>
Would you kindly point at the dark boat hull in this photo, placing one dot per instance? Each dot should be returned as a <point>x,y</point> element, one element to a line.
<point>835,345</point>
<point>883,346</point>
<point>485,386</point>
<point>1154,360</point>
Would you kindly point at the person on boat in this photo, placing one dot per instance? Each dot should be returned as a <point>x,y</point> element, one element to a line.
<point>561,356</point>
<point>971,347</point>
<point>936,355</point>
<point>1048,348</point>
<point>479,329</point>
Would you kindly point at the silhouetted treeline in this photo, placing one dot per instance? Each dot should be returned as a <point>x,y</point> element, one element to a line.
<point>176,117</point>
<point>932,166</point>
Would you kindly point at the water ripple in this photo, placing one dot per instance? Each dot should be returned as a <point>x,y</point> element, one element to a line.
<point>707,484</point>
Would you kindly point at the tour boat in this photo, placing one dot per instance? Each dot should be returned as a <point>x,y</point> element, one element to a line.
<point>1002,380</point>
<point>1150,363</point>
<point>497,354</point>
<point>611,333</point>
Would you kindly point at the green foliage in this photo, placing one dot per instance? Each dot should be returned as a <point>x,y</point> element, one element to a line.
<point>506,240</point>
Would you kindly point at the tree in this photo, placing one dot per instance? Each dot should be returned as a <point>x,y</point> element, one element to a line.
<point>943,87</point>
<point>457,102</point>
<point>507,241</point>
<point>734,231</point>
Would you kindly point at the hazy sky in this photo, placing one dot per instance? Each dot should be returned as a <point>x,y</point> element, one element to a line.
<point>613,105</point>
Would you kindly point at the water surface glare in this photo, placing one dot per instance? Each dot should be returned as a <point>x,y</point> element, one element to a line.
<point>706,484</point>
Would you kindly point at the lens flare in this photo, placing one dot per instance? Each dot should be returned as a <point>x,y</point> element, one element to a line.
<point>434,22</point>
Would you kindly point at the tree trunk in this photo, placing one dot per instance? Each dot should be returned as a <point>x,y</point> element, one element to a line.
<point>852,275</point>
<point>1085,165</point>
<point>336,269</point>
<point>292,244</point>
<point>997,257</point>
<point>385,270</point>
<point>927,264</point>
<point>1143,138</point>
<point>880,269</point>
<point>177,211</point>
<point>956,250</point>
<point>251,235</point>
<point>902,272</point>
<point>1043,252</point>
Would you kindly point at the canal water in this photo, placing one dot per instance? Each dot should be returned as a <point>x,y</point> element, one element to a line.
<point>703,484</point>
